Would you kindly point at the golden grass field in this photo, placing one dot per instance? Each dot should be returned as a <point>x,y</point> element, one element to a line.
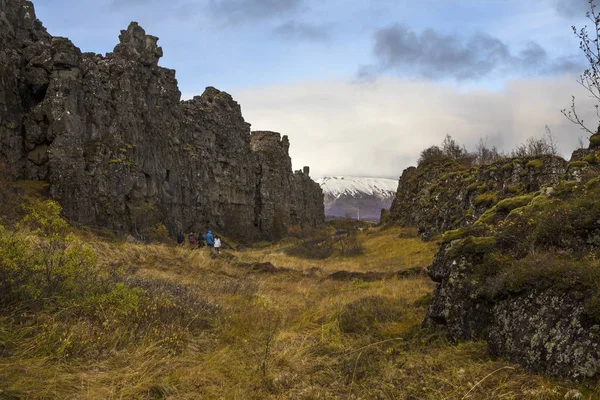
<point>295,334</point>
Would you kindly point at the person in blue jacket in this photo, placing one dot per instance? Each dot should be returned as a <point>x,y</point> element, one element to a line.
<point>210,241</point>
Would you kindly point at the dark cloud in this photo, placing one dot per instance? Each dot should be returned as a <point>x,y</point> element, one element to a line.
<point>572,8</point>
<point>251,10</point>
<point>439,56</point>
<point>300,31</point>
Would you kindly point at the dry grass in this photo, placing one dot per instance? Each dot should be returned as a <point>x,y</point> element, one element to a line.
<point>387,250</point>
<point>279,335</point>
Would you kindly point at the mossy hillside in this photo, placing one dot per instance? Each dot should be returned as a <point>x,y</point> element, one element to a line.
<point>536,241</point>
<point>446,195</point>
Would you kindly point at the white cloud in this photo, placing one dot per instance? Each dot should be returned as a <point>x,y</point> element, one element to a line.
<point>380,128</point>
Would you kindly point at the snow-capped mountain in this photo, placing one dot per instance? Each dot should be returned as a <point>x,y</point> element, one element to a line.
<point>357,197</point>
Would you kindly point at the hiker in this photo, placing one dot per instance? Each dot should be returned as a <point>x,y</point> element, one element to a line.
<point>200,241</point>
<point>180,239</point>
<point>192,240</point>
<point>218,244</point>
<point>209,239</point>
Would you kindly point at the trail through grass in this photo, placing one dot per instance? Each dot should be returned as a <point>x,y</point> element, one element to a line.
<point>288,335</point>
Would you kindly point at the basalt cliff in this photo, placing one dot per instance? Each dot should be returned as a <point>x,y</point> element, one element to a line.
<point>121,151</point>
<point>518,259</point>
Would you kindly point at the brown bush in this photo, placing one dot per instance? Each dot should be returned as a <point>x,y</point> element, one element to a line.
<point>350,246</point>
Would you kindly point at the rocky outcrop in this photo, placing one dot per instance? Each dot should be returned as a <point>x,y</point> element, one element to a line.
<point>546,328</point>
<point>283,196</point>
<point>119,148</point>
<point>445,195</point>
<point>517,264</point>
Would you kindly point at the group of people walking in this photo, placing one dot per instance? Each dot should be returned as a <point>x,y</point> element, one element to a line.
<point>213,242</point>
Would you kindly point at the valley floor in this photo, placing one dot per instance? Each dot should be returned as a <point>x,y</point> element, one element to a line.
<point>228,330</point>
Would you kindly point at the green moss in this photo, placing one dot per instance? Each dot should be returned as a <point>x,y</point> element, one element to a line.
<point>492,169</point>
<point>473,187</point>
<point>592,183</point>
<point>472,247</point>
<point>595,140</point>
<point>578,164</point>
<point>515,189</point>
<point>514,202</point>
<point>507,167</point>
<point>452,235</point>
<point>537,164</point>
<point>115,161</point>
<point>486,199</point>
<point>470,212</point>
<point>467,179</point>
<point>488,216</point>
<point>565,188</point>
<point>123,150</point>
<point>591,159</point>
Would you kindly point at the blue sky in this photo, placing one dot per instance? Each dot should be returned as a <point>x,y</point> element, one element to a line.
<point>345,74</point>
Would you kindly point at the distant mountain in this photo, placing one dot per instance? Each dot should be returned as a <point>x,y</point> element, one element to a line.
<point>354,196</point>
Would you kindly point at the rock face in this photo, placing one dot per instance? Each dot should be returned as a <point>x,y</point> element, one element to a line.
<point>119,148</point>
<point>447,195</point>
<point>294,198</point>
<point>545,329</point>
<point>516,266</point>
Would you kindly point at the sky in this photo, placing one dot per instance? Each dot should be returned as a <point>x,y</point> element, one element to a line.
<point>361,87</point>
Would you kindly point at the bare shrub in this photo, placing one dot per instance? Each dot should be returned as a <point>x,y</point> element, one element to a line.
<point>486,155</point>
<point>535,146</point>
<point>350,246</point>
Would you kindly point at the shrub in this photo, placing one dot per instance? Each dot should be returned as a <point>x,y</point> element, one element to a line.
<point>485,155</point>
<point>157,233</point>
<point>534,146</point>
<point>430,155</point>
<point>43,260</point>
<point>595,140</point>
<point>350,246</point>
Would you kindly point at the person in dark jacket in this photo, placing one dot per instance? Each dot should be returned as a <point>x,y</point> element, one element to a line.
<point>200,241</point>
<point>180,239</point>
<point>192,240</point>
<point>210,241</point>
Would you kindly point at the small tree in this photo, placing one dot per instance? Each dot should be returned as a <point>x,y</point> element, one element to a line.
<point>486,155</point>
<point>431,154</point>
<point>534,146</point>
<point>452,149</point>
<point>589,43</point>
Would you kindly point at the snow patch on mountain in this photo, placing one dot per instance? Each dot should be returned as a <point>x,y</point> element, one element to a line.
<point>337,186</point>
